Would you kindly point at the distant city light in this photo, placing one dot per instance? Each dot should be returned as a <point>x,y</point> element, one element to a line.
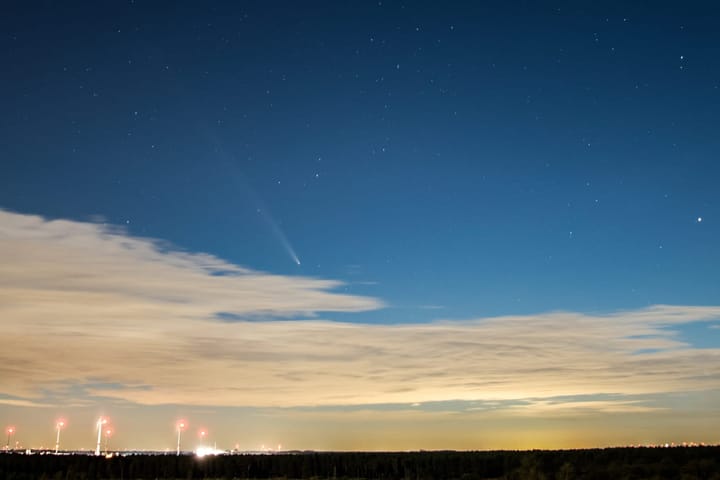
<point>205,451</point>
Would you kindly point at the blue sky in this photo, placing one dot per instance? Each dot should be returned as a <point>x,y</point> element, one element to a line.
<point>424,163</point>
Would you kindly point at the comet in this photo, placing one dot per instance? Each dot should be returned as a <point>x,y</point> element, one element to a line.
<point>237,176</point>
<point>278,234</point>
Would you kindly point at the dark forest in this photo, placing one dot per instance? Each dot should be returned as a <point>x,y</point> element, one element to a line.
<point>615,463</point>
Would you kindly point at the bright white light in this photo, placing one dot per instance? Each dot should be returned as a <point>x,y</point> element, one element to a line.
<point>205,451</point>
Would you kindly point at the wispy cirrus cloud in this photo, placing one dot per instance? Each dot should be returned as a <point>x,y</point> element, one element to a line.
<point>133,320</point>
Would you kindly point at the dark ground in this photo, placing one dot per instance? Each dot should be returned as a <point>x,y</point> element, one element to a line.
<point>613,463</point>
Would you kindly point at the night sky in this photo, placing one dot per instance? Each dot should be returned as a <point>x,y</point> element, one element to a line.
<point>361,225</point>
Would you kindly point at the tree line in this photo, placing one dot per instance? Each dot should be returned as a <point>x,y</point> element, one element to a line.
<point>616,463</point>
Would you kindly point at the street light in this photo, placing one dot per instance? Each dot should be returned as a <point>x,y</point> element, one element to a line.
<point>181,425</point>
<point>10,432</point>
<point>59,425</point>
<point>202,433</point>
<point>101,421</point>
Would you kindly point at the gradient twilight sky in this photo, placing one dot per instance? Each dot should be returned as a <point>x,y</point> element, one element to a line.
<point>361,225</point>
